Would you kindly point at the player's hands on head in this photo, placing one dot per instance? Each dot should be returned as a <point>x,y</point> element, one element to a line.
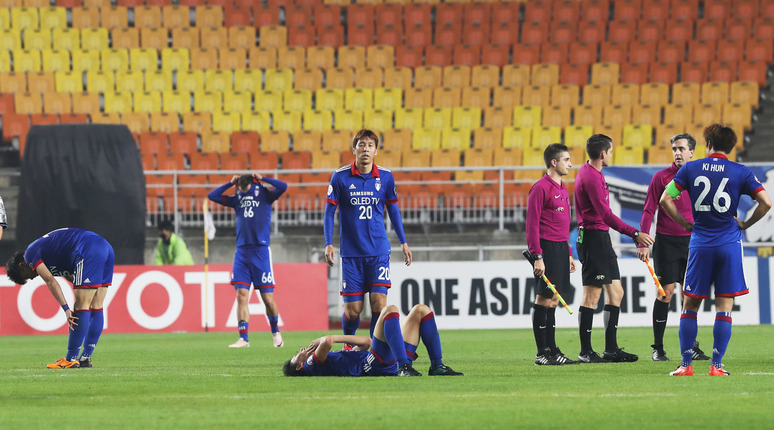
<point>257,176</point>
<point>407,256</point>
<point>330,254</point>
<point>540,268</point>
<point>644,239</point>
<point>234,179</point>
<point>643,254</point>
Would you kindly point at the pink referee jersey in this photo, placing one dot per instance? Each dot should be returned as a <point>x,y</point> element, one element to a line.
<point>548,214</point>
<point>593,205</point>
<point>665,224</point>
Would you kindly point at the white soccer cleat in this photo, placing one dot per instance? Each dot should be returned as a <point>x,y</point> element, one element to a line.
<point>278,343</point>
<point>241,343</point>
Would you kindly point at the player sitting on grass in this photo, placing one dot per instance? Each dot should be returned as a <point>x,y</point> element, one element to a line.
<point>390,351</point>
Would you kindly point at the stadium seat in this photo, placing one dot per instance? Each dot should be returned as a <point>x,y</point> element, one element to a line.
<point>227,122</point>
<point>209,16</point>
<point>377,119</point>
<point>516,137</point>
<point>118,102</point>
<point>447,97</point>
<point>597,95</point>
<point>575,136</point>
<point>646,114</point>
<point>543,74</point>
<point>358,98</point>
<point>308,79</point>
<point>320,57</point>
<point>114,17</point>
<point>347,120</point>
<point>616,115</point>
<point>115,60</point>
<point>678,114</point>
<point>706,113</point>
<point>85,17</point>
<point>248,80</point>
<point>423,139</point>
<point>256,121</point>
<point>745,93</point>
<point>279,79</point>
<point>369,77</point>
<point>158,80</point>
<point>557,115</point>
<point>208,101</point>
<point>329,99</point>
<point>339,78</point>
<point>139,59</point>
<point>527,116</point>
<point>105,118</point>
<point>336,140</point>
<point>84,102</point>
<point>637,135</point>
<point>546,135</point>
<point>44,119</point>
<point>232,58</point>
<point>428,77</point>
<point>286,121</point>
<point>216,141</point>
<point>476,97</point>
<point>291,57</point>
<point>714,92</point>
<point>437,118</point>
<point>398,77</point>
<point>27,61</point>
<point>175,16</point>
<point>418,98</point>
<point>241,37</point>
<point>147,102</point>
<point>498,117</point>
<point>387,99</point>
<point>613,52</point>
<point>466,117</point>
<point>11,82</point>
<point>565,95</point>
<point>409,118</point>
<point>625,94</point>
<point>297,100</point>
<point>629,156</point>
<point>147,17</point>
<point>317,120</point>
<point>164,122</point>
<point>587,115</point>
<point>507,96</point>
<point>243,142</point>
<point>56,103</point>
<point>176,101</point>
<point>737,115</point>
<point>686,93</point>
<point>536,95</point>
<point>495,54</point>
<point>185,37</point>
<point>137,122</point>
<point>37,39</point>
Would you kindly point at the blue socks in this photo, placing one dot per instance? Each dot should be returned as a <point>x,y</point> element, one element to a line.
<point>394,338</point>
<point>722,334</point>
<point>95,330</point>
<point>78,334</point>
<point>374,319</point>
<point>273,323</point>
<point>688,331</point>
<point>349,327</point>
<point>243,327</point>
<point>428,331</point>
<point>411,351</point>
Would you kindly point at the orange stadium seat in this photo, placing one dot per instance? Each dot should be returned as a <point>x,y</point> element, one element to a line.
<point>85,17</point>
<point>56,103</point>
<point>165,122</point>
<point>476,97</point>
<point>246,142</point>
<point>498,117</point>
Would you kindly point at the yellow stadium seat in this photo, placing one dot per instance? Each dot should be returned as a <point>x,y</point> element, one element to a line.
<point>686,93</point>
<point>291,57</point>
<point>190,80</point>
<point>714,92</point>
<point>596,95</point>
<point>10,39</point>
<point>287,121</point>
<point>527,116</point>
<point>656,94</point>
<point>358,98</point>
<point>273,35</point>
<point>516,137</point>
<point>238,102</point>
<point>269,101</point>
<point>83,61</point>
<point>516,75</point>
<point>498,117</point>
<point>456,76</point>
<point>175,59</point>
<point>11,82</point>
<point>5,61</point>
<point>205,59</point>
<point>96,39</point>
<point>626,94</point>
<point>186,37</point>
<point>437,118</point>
<point>466,117</point>
<point>24,18</point>
<point>575,136</point>
<point>100,82</point>
<point>57,103</point>
<point>564,95</point>
<point>488,138</point>
<point>26,61</point>
<point>68,82</point>
<point>587,115</point>
<point>127,38</point>
<point>308,79</point>
<point>423,139</point>
<point>369,77</point>
<point>398,77</point>
<point>380,56</point>
<point>53,17</point>
<point>307,140</point>
<point>218,80</point>
<point>616,115</point>
<point>545,74</point>
<point>347,120</point>
<point>532,156</point>
<point>5,17</point>
<point>506,97</point>
<point>447,97</point>
<point>216,141</point>
<point>418,98</point>
<point>208,101</point>
<point>105,118</point>
<point>737,114</point>
<point>114,60</point>
<point>329,99</point>
<point>410,119</point>
<point>476,97</point>
<point>297,100</point>
<point>745,93</point>
<point>389,99</point>
<point>558,115</point>
<point>378,120</point>
<point>275,141</point>
<point>85,102</point>
<point>605,73</point>
<point>53,61</point>
<point>546,135</point>
<point>249,80</point>
<point>175,16</point>
<point>536,95</point>
<point>626,155</point>
<point>232,58</point>
<point>241,37</point>
<point>279,79</point>
<point>85,17</point>
<point>336,140</point>
<point>28,103</point>
<point>707,113</point>
<point>646,114</point>
<point>256,121</point>
<point>118,102</point>
<point>263,57</point>
<point>226,121</point>
<point>485,75</point>
<point>136,122</point>
<point>158,80</point>
<point>141,59</point>
<point>37,39</point>
<point>637,135</point>
<point>428,77</point>
<point>318,120</point>
<point>165,122</point>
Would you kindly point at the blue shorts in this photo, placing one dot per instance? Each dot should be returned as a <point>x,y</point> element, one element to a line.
<point>252,265</point>
<point>364,275</point>
<point>719,265</point>
<point>94,267</point>
<point>380,360</point>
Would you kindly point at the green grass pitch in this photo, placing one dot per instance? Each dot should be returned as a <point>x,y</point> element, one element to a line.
<point>192,380</point>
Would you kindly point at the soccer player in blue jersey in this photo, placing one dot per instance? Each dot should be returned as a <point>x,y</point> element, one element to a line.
<point>361,191</point>
<point>84,258</point>
<point>252,260</point>
<point>390,351</point>
<point>715,186</point>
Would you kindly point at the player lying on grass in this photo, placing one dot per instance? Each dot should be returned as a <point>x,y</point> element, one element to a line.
<point>391,351</point>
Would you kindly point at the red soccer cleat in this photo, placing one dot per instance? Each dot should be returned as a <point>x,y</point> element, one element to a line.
<point>718,371</point>
<point>682,371</point>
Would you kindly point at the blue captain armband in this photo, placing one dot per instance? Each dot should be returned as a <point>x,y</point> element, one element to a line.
<point>672,189</point>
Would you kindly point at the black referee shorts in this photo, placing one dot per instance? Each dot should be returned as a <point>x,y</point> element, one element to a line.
<point>598,260</point>
<point>556,257</point>
<point>670,257</point>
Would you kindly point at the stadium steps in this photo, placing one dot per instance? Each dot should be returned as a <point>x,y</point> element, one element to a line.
<point>761,144</point>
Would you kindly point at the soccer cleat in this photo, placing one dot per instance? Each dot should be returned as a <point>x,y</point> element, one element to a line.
<point>619,356</point>
<point>543,360</point>
<point>241,343</point>
<point>591,357</point>
<point>62,363</point>
<point>698,354</point>
<point>347,347</point>
<point>718,371</point>
<point>85,361</point>
<point>278,343</point>
<point>659,354</point>
<point>407,370</point>
<point>682,371</point>
<point>443,370</point>
<point>560,359</point>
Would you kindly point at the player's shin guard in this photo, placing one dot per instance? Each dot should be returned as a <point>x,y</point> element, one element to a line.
<point>77,334</point>
<point>688,331</point>
<point>273,321</point>
<point>244,329</point>
<point>611,327</point>
<point>394,337</point>
<point>428,332</point>
<point>551,330</point>
<point>539,324</point>
<point>722,333</point>
<point>350,327</point>
<point>95,331</point>
<point>585,322</point>
<point>660,312</point>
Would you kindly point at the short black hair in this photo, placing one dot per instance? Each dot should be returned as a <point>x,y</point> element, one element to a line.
<point>552,153</point>
<point>365,134</point>
<point>289,369</point>
<point>686,136</point>
<point>166,225</point>
<point>596,144</point>
<point>12,269</point>
<point>721,137</point>
<point>245,181</point>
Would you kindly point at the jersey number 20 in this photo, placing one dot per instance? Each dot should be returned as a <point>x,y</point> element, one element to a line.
<point>366,212</point>
<point>720,195</point>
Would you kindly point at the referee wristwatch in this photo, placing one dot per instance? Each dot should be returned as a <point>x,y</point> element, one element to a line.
<point>636,235</point>
<point>538,257</point>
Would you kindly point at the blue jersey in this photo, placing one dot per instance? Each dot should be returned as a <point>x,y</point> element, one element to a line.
<point>349,363</point>
<point>60,250</point>
<point>715,185</point>
<point>253,210</point>
<point>361,200</point>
